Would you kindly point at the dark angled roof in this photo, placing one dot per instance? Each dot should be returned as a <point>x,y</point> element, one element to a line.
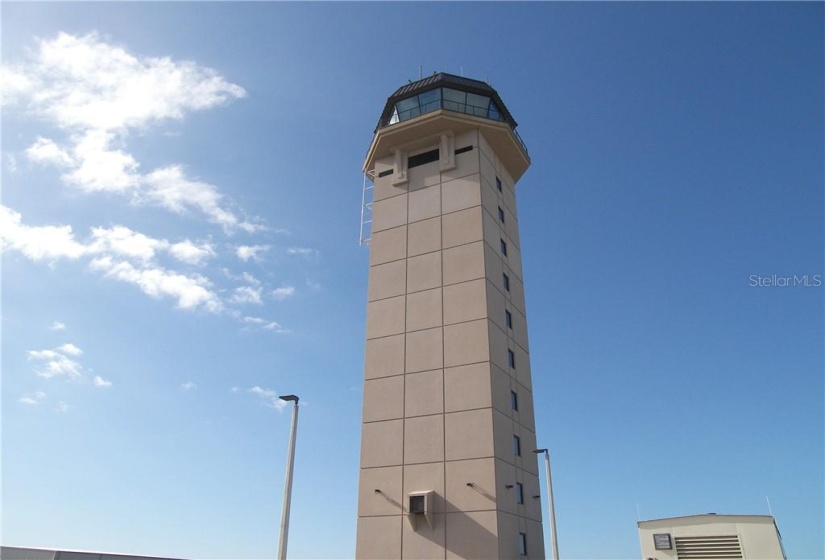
<point>442,79</point>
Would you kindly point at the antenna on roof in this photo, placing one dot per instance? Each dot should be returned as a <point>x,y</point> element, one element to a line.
<point>769,505</point>
<point>638,512</point>
<point>420,71</point>
<point>461,71</point>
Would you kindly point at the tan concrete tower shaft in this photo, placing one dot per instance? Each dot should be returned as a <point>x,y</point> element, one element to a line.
<point>448,423</point>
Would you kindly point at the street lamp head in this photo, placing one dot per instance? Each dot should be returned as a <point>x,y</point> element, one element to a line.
<point>540,450</point>
<point>289,398</point>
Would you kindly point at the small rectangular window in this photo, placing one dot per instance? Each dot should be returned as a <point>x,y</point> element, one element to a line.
<point>522,544</point>
<point>513,400</point>
<point>516,445</point>
<point>503,247</point>
<point>505,281</point>
<point>508,319</point>
<point>519,493</point>
<point>500,215</point>
<point>498,184</point>
<point>386,172</point>
<point>511,359</point>
<point>421,159</point>
<point>463,150</point>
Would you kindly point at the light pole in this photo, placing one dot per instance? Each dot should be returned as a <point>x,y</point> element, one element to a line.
<point>290,461</point>
<point>550,502</point>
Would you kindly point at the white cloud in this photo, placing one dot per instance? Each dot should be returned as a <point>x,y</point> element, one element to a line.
<point>46,151</point>
<point>97,93</point>
<point>100,382</point>
<point>32,398</point>
<point>303,251</point>
<point>122,241</point>
<point>246,295</point>
<point>191,292</point>
<point>264,324</point>
<point>171,189</point>
<point>57,326</point>
<point>123,254</point>
<point>187,252</point>
<point>250,279</point>
<point>188,386</point>
<point>269,397</point>
<point>61,407</point>
<point>54,363</point>
<point>116,246</point>
<point>246,252</point>
<point>83,82</point>
<point>53,242</point>
<point>283,292</point>
<point>70,349</point>
<point>10,161</point>
<point>98,167</point>
<point>38,243</point>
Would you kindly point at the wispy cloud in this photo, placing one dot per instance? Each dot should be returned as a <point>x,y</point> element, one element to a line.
<point>122,254</point>
<point>70,349</point>
<point>57,326</point>
<point>112,249</point>
<point>246,295</point>
<point>247,252</point>
<point>96,93</point>
<point>242,277</point>
<point>58,242</point>
<point>9,161</point>
<point>302,251</point>
<point>269,397</point>
<point>56,363</point>
<point>188,386</point>
<point>170,188</point>
<point>191,291</point>
<point>250,279</point>
<point>264,324</point>
<point>61,407</point>
<point>32,399</point>
<point>101,383</point>
<point>283,293</point>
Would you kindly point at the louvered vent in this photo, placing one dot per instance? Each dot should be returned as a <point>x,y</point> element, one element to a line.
<point>708,548</point>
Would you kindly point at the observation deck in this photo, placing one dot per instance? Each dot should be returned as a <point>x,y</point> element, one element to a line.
<point>440,102</point>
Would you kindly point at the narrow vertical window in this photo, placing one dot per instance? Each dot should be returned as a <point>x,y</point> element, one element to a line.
<point>516,445</point>
<point>522,544</point>
<point>513,400</point>
<point>519,493</point>
<point>498,184</point>
<point>511,359</point>
<point>500,215</point>
<point>503,247</point>
<point>508,319</point>
<point>505,281</point>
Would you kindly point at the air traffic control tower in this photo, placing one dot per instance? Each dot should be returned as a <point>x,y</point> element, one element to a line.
<point>447,469</point>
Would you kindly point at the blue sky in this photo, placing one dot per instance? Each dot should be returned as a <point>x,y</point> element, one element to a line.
<point>180,213</point>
